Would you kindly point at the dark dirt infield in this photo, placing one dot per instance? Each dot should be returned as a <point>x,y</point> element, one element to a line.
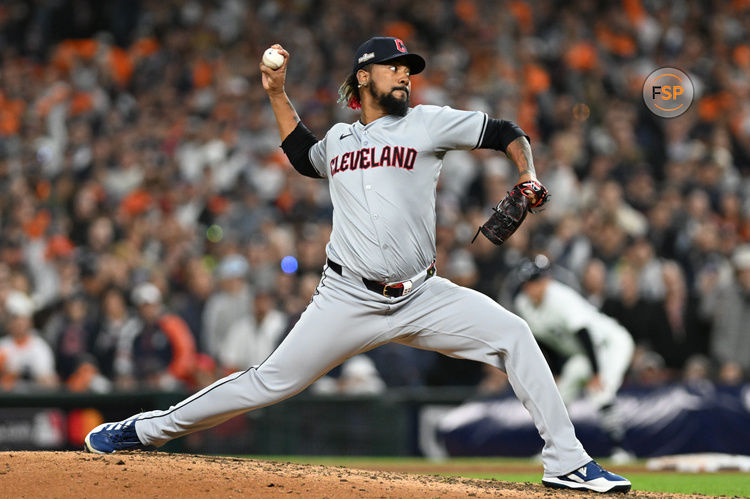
<point>156,474</point>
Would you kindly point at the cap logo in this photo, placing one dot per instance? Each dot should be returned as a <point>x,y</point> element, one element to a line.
<point>400,45</point>
<point>366,57</point>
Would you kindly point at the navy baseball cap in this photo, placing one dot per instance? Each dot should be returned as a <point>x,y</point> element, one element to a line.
<point>384,48</point>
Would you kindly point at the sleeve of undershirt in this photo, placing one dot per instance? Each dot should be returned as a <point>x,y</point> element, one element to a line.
<point>499,134</point>
<point>588,347</point>
<point>451,129</point>
<point>298,147</point>
<point>317,155</point>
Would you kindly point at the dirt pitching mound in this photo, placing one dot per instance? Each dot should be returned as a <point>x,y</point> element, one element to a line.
<point>78,474</point>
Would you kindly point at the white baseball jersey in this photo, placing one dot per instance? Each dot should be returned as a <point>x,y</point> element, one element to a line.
<point>382,178</point>
<point>561,314</point>
<point>555,322</point>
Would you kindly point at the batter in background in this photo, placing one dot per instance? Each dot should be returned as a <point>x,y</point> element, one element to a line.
<point>596,350</point>
<point>380,283</point>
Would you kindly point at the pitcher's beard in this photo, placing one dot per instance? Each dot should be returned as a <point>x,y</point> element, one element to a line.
<point>390,103</point>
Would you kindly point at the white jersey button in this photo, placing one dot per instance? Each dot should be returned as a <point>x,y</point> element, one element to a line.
<point>375,216</point>
<point>368,187</point>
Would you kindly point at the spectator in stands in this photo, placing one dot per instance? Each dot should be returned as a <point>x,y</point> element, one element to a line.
<point>228,304</point>
<point>190,305</point>
<point>631,310</point>
<point>52,269</point>
<point>26,360</point>
<point>697,371</point>
<point>640,257</point>
<point>113,343</point>
<point>251,339</point>
<point>684,329</point>
<point>616,208</point>
<point>570,248</point>
<point>70,334</point>
<point>608,239</point>
<point>594,283</point>
<point>162,354</point>
<point>730,341</point>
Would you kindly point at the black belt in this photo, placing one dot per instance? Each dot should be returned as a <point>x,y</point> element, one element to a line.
<point>392,290</point>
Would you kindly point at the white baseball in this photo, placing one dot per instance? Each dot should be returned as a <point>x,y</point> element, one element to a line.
<point>273,59</point>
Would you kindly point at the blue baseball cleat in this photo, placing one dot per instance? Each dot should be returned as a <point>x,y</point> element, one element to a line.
<point>112,437</point>
<point>589,477</point>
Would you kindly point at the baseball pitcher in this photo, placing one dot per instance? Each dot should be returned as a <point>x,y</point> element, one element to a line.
<point>379,283</point>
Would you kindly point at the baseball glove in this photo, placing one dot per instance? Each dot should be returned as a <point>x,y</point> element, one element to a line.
<point>511,211</point>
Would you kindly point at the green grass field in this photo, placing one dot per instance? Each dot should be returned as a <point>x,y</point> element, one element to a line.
<point>732,484</point>
<point>713,484</point>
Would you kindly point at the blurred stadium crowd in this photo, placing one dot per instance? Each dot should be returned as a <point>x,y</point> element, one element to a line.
<point>147,209</point>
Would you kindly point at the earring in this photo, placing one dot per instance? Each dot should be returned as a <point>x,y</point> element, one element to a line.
<point>362,85</point>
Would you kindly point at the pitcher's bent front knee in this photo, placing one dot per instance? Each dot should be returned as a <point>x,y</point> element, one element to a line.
<point>515,336</point>
<point>505,337</point>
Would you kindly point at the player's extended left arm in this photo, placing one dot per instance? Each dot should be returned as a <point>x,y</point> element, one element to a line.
<point>519,152</point>
<point>525,196</point>
<point>508,137</point>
